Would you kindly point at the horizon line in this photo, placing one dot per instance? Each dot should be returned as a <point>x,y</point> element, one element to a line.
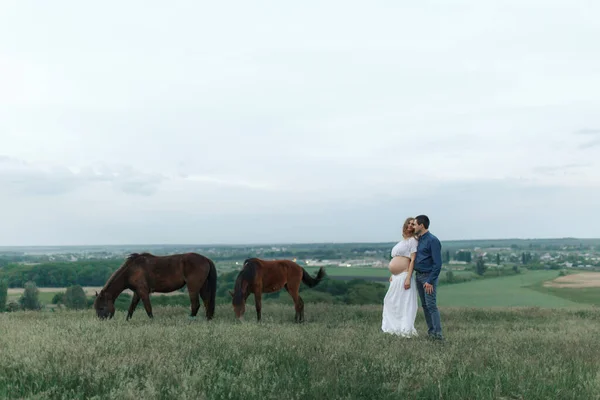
<point>290,243</point>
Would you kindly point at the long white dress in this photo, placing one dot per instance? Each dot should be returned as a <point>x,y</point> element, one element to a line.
<point>400,305</point>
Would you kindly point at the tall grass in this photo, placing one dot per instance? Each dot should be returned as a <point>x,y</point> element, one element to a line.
<point>339,353</point>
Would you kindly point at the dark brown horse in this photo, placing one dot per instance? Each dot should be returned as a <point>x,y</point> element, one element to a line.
<point>146,273</point>
<point>260,276</point>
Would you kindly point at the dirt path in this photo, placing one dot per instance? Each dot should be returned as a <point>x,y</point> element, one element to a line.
<point>582,280</point>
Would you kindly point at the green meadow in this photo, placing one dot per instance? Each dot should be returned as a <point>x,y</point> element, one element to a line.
<point>506,338</point>
<point>521,290</point>
<point>44,297</point>
<point>339,353</point>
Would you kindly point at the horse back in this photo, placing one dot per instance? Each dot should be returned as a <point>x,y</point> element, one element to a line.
<point>273,275</point>
<point>173,271</point>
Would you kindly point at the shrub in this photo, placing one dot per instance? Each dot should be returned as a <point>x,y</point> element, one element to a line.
<point>58,298</point>
<point>74,298</point>
<point>480,267</point>
<point>13,306</point>
<point>30,299</point>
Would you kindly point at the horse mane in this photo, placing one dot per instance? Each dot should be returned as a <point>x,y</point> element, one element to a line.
<point>132,258</point>
<point>247,274</point>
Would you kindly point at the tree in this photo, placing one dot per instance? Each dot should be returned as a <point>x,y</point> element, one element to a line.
<point>75,298</point>
<point>58,298</point>
<point>468,259</point>
<point>497,258</point>
<point>447,257</point>
<point>30,299</point>
<point>3,295</point>
<point>480,267</point>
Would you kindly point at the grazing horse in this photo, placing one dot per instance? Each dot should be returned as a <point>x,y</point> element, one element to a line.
<point>261,276</point>
<point>146,273</point>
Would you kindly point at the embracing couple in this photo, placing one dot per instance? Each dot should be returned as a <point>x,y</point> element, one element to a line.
<point>415,267</point>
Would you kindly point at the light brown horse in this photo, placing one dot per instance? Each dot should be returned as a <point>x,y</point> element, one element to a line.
<point>261,276</point>
<point>146,273</point>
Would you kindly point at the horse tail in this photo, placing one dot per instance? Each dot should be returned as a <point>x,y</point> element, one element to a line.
<point>210,286</point>
<point>309,280</point>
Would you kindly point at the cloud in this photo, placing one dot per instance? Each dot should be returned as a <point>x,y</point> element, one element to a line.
<point>566,169</point>
<point>37,179</point>
<point>590,144</point>
<point>334,126</point>
<point>588,132</point>
<point>592,133</point>
<point>227,181</point>
<point>458,210</point>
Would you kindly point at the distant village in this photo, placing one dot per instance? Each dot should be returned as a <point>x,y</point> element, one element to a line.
<point>454,255</point>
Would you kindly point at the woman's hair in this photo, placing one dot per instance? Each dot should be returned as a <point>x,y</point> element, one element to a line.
<point>405,227</point>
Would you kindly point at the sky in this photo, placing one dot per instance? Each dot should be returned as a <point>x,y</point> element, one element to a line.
<point>143,122</point>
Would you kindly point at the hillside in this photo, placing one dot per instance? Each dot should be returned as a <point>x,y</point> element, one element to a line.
<point>338,353</point>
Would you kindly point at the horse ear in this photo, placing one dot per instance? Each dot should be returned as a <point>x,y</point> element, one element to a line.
<point>96,293</point>
<point>231,293</point>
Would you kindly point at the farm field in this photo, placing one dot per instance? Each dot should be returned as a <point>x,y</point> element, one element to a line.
<point>522,290</point>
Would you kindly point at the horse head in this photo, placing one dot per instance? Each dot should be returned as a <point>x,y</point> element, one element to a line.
<point>104,305</point>
<point>239,296</point>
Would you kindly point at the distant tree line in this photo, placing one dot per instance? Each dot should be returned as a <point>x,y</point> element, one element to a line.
<point>60,274</point>
<point>3,294</point>
<point>465,256</point>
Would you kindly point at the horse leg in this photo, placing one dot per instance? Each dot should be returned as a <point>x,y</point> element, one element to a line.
<point>195,302</point>
<point>298,303</point>
<point>146,300</point>
<point>300,308</point>
<point>205,295</point>
<point>133,305</point>
<point>258,304</point>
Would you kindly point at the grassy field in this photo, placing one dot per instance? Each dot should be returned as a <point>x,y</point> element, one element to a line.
<point>339,353</point>
<point>43,296</point>
<point>360,272</point>
<point>589,295</point>
<point>522,290</point>
<point>507,337</point>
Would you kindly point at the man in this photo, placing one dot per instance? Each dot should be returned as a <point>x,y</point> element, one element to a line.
<point>428,264</point>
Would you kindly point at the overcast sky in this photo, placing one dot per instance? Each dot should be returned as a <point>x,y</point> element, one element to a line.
<point>250,122</point>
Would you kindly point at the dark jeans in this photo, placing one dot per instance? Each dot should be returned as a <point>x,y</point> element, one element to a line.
<point>428,302</point>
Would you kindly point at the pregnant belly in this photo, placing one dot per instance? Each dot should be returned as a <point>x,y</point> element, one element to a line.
<point>398,265</point>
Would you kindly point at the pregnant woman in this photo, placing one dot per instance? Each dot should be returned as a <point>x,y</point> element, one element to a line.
<point>400,303</point>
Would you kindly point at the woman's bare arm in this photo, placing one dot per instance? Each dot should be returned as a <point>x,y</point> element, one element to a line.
<point>411,267</point>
